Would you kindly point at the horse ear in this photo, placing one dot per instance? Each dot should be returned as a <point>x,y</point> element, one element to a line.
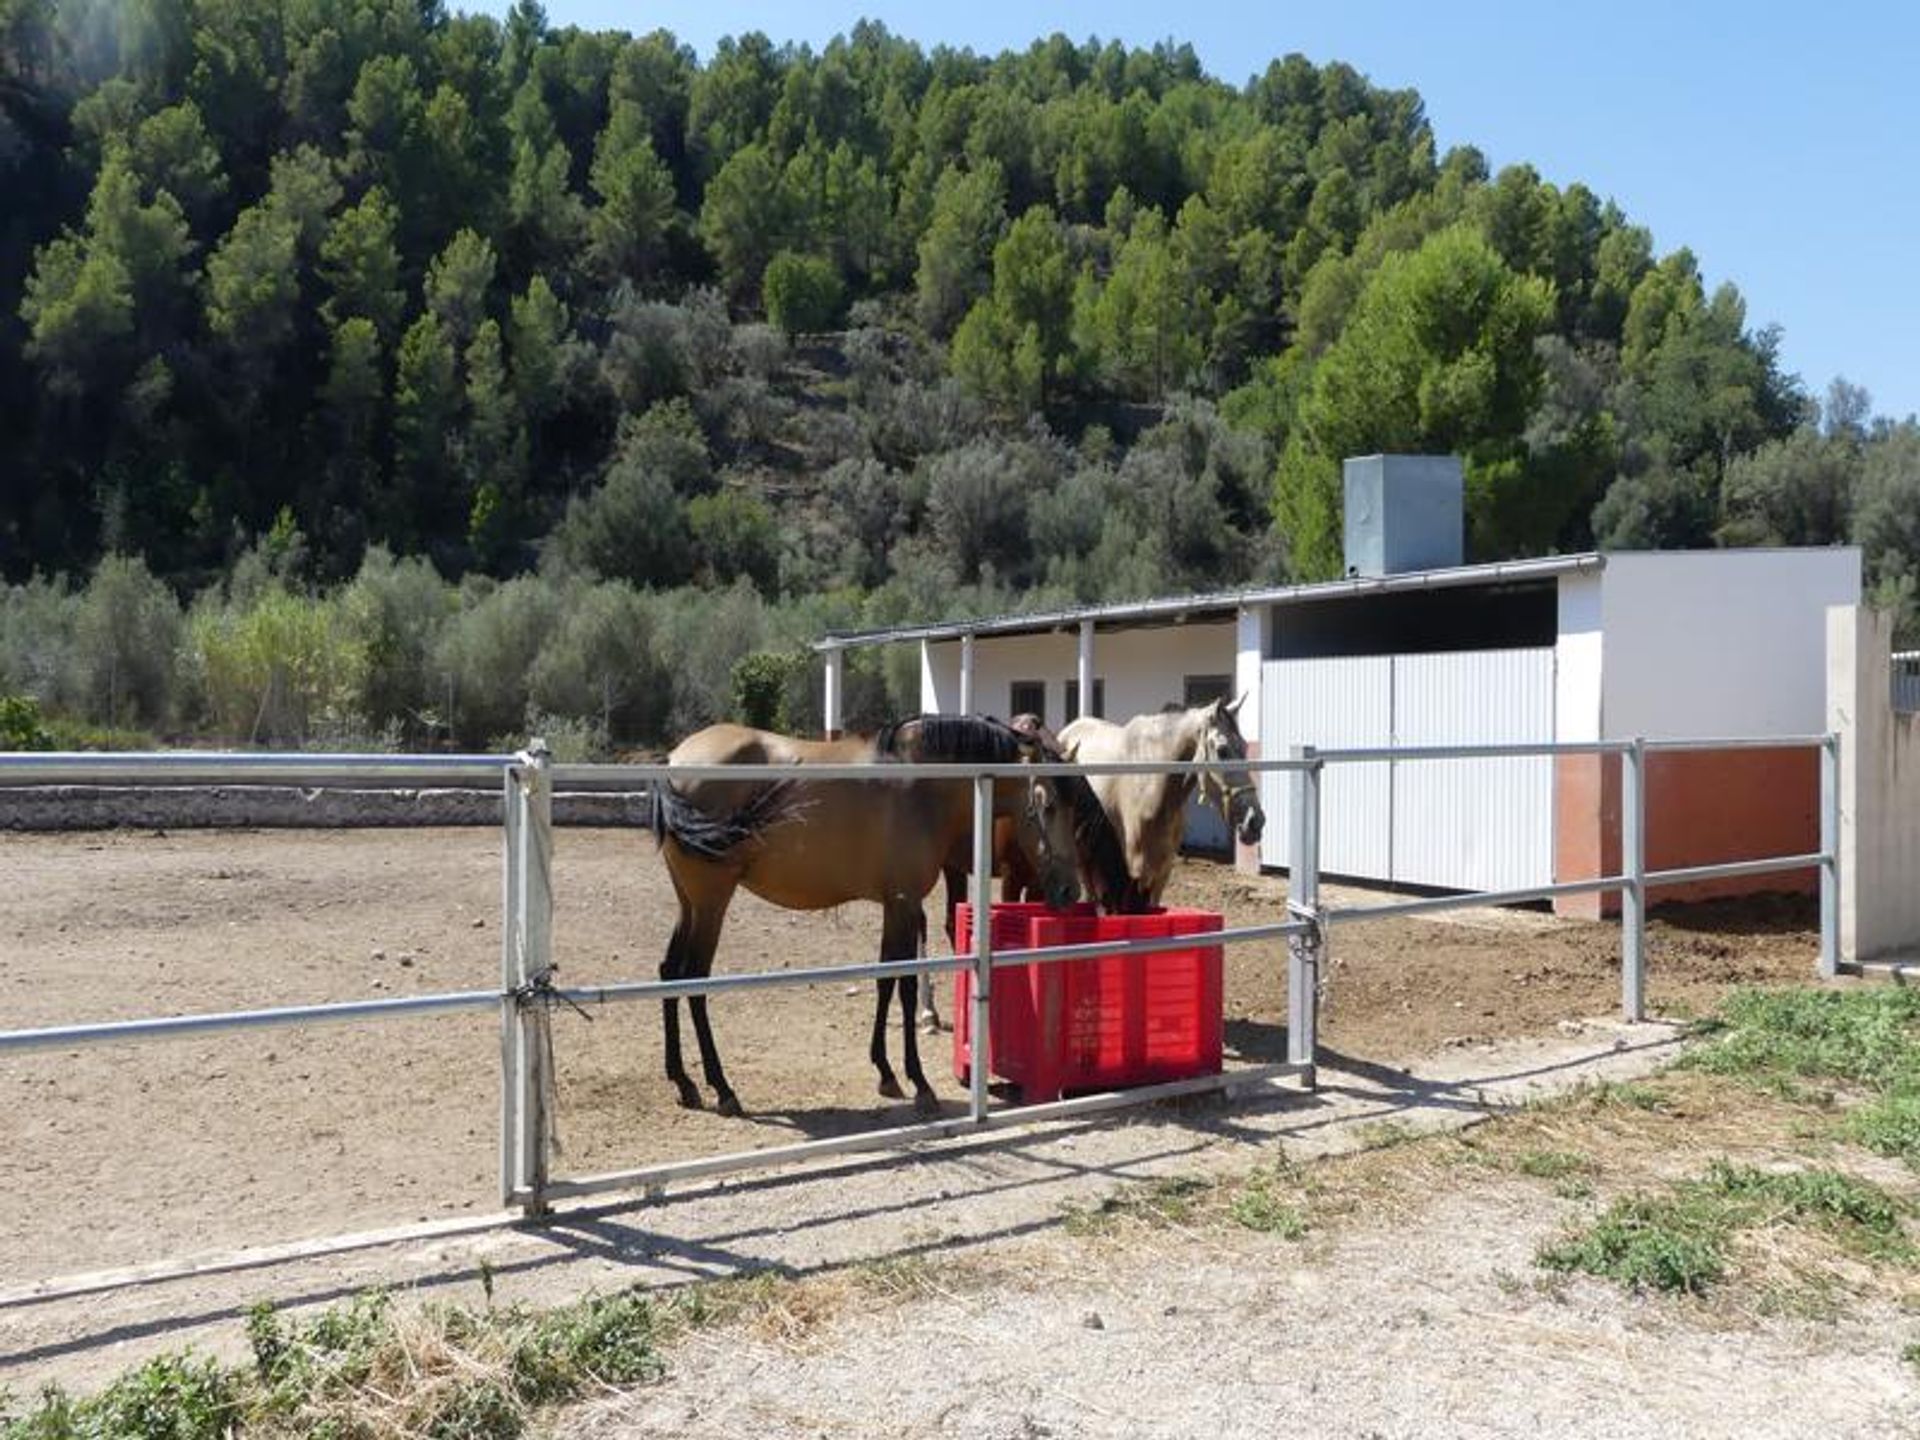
<point>1234,708</point>
<point>1034,739</point>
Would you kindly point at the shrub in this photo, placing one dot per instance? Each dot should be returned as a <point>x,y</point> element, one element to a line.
<point>488,652</point>
<point>601,666</point>
<point>977,503</point>
<point>760,688</point>
<point>395,610</point>
<point>634,527</point>
<point>36,641</point>
<point>171,1397</point>
<point>735,537</point>
<point>802,292</point>
<point>280,669</point>
<point>126,639</point>
<point>702,634</point>
<point>646,354</point>
<point>20,727</point>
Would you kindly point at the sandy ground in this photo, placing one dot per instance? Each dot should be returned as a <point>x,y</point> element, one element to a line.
<point>133,1153</point>
<point>1434,1329</point>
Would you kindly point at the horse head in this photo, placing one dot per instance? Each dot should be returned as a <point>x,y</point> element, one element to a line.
<point>1233,791</point>
<point>1095,843</point>
<point>1049,833</point>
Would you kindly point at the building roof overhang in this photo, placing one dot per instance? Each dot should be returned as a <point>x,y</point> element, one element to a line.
<point>1217,605</point>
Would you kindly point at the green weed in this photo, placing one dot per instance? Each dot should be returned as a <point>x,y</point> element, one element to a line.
<point>1256,1207</point>
<point>1552,1164</point>
<point>1169,1200</point>
<point>362,1368</point>
<point>1869,1038</point>
<point>1679,1241</point>
<point>171,1397</point>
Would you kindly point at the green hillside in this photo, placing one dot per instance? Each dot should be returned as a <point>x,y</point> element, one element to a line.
<point>411,338</point>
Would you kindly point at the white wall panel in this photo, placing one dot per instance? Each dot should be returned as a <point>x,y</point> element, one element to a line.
<point>1473,824</point>
<point>1344,701</point>
<point>1720,642</point>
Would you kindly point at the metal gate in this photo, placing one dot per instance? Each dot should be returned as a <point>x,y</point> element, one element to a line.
<point>1483,824</point>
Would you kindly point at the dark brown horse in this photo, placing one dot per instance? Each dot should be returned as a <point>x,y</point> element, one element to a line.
<point>810,845</point>
<point>1111,888</point>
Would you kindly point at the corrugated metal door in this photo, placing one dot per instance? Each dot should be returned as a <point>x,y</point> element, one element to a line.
<point>1473,824</point>
<point>1341,701</point>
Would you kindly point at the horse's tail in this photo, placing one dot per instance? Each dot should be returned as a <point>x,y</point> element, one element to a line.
<point>716,836</point>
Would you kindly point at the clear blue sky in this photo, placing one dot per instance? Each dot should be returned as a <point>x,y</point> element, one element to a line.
<point>1781,143</point>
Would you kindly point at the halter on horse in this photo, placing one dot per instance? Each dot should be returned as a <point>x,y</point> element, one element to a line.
<point>1149,811</point>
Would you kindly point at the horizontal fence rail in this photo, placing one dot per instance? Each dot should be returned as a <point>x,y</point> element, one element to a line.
<point>527,991</point>
<point>173,1027</point>
<point>398,772</point>
<point>1368,754</point>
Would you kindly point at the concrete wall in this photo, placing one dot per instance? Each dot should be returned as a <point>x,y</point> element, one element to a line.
<point>199,807</point>
<point>1723,642</point>
<point>1879,791</point>
<point>1143,669</point>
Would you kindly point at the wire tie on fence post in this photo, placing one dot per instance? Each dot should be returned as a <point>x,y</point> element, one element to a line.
<point>1317,937</point>
<point>538,988</point>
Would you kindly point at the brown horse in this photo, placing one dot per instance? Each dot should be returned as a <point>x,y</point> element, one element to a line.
<point>810,845</point>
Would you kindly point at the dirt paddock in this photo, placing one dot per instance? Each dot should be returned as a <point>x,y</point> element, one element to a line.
<point>125,1154</point>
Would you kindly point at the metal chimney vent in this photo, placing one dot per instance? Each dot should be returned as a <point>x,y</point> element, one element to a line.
<point>1404,512</point>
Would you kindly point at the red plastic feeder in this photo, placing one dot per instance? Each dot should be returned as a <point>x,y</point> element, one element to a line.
<point>1096,1024</point>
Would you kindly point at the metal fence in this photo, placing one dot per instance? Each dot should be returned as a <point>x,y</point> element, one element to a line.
<point>526,994</point>
<point>1906,680</point>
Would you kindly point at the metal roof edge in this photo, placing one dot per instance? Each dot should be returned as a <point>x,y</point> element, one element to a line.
<point>1174,606</point>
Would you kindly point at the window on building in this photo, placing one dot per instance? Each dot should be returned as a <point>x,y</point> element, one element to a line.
<point>1203,689</point>
<point>1027,697</point>
<point>1073,699</point>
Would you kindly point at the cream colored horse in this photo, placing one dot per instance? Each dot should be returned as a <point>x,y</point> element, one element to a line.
<point>1149,811</point>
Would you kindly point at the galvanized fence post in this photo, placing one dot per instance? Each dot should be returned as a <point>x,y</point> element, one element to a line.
<point>528,966</point>
<point>1830,856</point>
<point>980,1054</point>
<point>1303,903</point>
<point>513,826</point>
<point>1633,893</point>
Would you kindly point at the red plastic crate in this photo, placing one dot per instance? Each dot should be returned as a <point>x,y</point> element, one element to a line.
<point>1095,1024</point>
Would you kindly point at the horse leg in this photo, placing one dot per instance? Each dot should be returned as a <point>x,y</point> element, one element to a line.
<point>703,939</point>
<point>897,939</point>
<point>877,1050</point>
<point>929,1009</point>
<point>673,968</point>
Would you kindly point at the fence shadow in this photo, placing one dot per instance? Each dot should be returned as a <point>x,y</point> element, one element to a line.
<point>977,1190</point>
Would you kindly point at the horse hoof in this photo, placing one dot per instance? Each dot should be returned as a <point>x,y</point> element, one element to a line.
<point>890,1088</point>
<point>926,1105</point>
<point>728,1105</point>
<point>930,1025</point>
<point>690,1098</point>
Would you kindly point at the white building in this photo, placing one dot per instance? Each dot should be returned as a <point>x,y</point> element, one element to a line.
<point>1722,643</point>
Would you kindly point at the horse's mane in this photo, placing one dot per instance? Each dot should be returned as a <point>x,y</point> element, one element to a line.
<point>983,738</point>
<point>950,737</point>
<point>1101,852</point>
